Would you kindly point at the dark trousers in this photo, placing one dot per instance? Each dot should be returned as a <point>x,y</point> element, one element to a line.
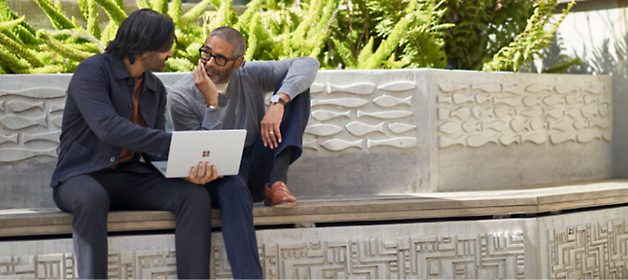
<point>90,197</point>
<point>235,194</point>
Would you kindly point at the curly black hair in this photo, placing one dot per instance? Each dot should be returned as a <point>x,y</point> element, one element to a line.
<point>143,31</point>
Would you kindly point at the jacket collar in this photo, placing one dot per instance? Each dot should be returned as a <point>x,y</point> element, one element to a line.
<point>120,72</point>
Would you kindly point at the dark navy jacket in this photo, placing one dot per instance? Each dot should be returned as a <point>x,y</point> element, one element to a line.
<point>97,119</point>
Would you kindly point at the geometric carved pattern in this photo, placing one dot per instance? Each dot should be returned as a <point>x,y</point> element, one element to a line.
<point>30,123</point>
<point>474,256</point>
<point>460,256</point>
<point>474,115</point>
<point>589,251</point>
<point>147,264</point>
<point>361,116</point>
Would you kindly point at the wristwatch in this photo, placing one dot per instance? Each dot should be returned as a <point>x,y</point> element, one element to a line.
<point>277,99</point>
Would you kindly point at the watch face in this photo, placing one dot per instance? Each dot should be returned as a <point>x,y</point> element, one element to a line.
<point>274,99</point>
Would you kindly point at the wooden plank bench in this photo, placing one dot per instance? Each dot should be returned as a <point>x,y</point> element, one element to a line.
<point>533,200</point>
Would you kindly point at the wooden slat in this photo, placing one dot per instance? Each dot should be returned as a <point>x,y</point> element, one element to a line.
<point>528,200</point>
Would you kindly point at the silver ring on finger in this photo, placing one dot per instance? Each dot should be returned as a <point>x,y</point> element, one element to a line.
<point>271,132</point>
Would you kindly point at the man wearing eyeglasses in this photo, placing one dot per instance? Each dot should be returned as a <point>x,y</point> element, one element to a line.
<point>225,92</point>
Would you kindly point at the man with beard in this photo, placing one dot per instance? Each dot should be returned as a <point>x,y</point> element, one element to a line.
<point>225,92</point>
<point>114,115</point>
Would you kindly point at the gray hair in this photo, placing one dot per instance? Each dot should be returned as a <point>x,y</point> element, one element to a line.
<point>232,36</point>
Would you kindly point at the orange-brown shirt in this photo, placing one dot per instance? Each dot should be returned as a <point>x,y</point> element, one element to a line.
<point>136,118</point>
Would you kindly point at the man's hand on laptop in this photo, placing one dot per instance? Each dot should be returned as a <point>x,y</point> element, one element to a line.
<point>201,176</point>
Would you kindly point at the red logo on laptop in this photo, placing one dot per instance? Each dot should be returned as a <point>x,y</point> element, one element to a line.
<point>205,153</point>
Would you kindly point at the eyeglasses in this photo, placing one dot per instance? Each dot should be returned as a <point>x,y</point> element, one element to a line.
<point>218,59</point>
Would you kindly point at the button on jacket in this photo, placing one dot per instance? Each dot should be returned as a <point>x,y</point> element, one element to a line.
<point>97,118</point>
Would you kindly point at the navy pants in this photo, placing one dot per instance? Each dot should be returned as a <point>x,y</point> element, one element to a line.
<point>90,197</point>
<point>235,194</point>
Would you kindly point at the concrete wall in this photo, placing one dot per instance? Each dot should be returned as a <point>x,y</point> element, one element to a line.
<point>377,132</point>
<point>574,246</point>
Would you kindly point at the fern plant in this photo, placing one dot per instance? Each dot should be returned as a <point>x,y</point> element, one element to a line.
<point>529,44</point>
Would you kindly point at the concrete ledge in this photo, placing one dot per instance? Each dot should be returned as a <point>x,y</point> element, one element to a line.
<point>531,201</point>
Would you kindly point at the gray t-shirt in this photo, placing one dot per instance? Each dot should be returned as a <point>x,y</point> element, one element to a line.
<point>242,106</point>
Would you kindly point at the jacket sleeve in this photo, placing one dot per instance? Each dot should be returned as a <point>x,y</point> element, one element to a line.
<point>301,74</point>
<point>91,91</point>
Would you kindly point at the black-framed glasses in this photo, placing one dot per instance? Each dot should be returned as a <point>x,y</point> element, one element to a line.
<point>218,59</point>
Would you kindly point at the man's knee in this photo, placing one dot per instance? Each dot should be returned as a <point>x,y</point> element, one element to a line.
<point>194,196</point>
<point>82,194</point>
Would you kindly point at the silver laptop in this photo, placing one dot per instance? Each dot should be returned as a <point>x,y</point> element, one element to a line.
<point>222,148</point>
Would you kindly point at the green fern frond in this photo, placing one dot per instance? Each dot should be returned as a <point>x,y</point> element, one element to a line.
<point>58,20</point>
<point>160,6</point>
<point>195,12</point>
<point>10,24</point>
<point>113,10</point>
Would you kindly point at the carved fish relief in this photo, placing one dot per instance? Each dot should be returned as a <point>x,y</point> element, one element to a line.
<point>325,115</point>
<point>19,106</point>
<point>444,99</point>
<point>471,126</point>
<point>343,102</point>
<point>322,129</point>
<point>532,113</point>
<point>536,88</point>
<point>587,135</point>
<point>481,113</point>
<point>531,100</point>
<point>449,128</point>
<point>589,111</point>
<point>501,112</point>
<point>51,136</point>
<point>336,145</point>
<point>552,100</point>
<point>386,114</point>
<point>358,128</point>
<point>442,113</point>
<point>537,138</point>
<point>488,87</point>
<point>564,89</point>
<point>35,92</point>
<point>12,155</point>
<point>398,86</point>
<point>400,127</point>
<point>481,98</point>
<point>510,101</point>
<point>604,101</point>
<point>516,89</point>
<point>603,111</point>
<point>54,107</point>
<point>595,89</point>
<point>557,138</point>
<point>507,139</point>
<point>57,120</point>
<point>561,125</point>
<point>476,141</point>
<point>601,123</point>
<point>461,98</point>
<point>315,88</point>
<point>588,99</point>
<point>518,124</point>
<point>573,112</point>
<point>556,113</point>
<point>361,88</point>
<point>10,138</point>
<point>537,125</point>
<point>444,142</point>
<point>449,87</point>
<point>18,122</point>
<point>390,101</point>
<point>462,113</point>
<point>580,124</point>
<point>310,145</point>
<point>397,142</point>
<point>572,99</point>
<point>2,105</point>
<point>607,136</point>
<point>498,125</point>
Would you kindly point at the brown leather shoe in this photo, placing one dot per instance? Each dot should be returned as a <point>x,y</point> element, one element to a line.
<point>279,196</point>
